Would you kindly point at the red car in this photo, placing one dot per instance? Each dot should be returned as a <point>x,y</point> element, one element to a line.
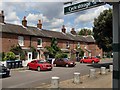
<point>90,60</point>
<point>39,65</point>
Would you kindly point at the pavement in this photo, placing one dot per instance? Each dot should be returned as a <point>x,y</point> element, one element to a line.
<point>99,81</point>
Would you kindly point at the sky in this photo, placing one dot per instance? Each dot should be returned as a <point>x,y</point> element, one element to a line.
<point>50,12</point>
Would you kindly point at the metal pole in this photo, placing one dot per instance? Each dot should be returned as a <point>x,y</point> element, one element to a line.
<point>116,46</point>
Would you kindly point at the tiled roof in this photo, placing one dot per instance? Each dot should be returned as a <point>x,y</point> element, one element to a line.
<point>89,38</point>
<point>34,31</point>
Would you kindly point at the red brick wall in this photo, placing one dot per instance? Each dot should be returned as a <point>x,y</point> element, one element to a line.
<point>95,51</point>
<point>9,40</point>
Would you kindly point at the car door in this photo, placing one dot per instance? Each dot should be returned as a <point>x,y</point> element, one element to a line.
<point>62,62</point>
<point>57,61</point>
<point>89,59</point>
<point>86,60</point>
<point>33,64</point>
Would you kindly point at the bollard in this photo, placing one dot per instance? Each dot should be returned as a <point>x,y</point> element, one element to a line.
<point>92,73</point>
<point>55,82</point>
<point>110,68</point>
<point>76,78</point>
<point>103,70</point>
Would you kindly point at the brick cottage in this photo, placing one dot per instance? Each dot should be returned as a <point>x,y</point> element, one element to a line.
<point>27,36</point>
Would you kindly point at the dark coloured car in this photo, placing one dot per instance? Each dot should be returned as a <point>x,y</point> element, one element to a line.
<point>39,65</point>
<point>64,62</point>
<point>4,71</point>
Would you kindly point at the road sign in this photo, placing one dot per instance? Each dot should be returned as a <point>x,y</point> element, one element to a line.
<point>81,6</point>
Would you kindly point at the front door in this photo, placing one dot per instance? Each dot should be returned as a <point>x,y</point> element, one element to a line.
<point>38,55</point>
<point>29,56</point>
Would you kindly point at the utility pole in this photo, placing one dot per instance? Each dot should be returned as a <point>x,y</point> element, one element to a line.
<point>116,45</point>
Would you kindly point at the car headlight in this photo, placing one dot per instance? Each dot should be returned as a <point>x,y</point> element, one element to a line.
<point>71,63</point>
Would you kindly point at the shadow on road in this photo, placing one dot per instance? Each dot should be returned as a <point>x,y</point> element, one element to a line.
<point>99,65</point>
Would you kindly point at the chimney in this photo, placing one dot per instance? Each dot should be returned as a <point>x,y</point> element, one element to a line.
<point>24,22</point>
<point>39,25</point>
<point>73,31</point>
<point>2,17</point>
<point>63,29</point>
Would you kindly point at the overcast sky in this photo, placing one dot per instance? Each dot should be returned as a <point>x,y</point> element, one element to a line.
<point>51,14</point>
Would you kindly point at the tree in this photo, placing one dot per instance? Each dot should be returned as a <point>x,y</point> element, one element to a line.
<point>61,55</point>
<point>53,49</point>
<point>85,32</point>
<point>103,30</point>
<point>9,56</point>
<point>17,50</point>
<point>34,52</point>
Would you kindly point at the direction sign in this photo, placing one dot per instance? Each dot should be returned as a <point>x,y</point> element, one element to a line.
<point>81,6</point>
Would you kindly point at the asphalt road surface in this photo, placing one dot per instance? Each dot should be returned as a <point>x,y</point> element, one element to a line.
<point>32,78</point>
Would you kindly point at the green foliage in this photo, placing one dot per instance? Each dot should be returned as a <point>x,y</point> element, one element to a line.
<point>9,56</point>
<point>18,51</point>
<point>2,56</point>
<point>34,52</point>
<point>53,49</point>
<point>61,55</point>
<point>73,56</point>
<point>103,30</point>
<point>85,32</point>
<point>81,52</point>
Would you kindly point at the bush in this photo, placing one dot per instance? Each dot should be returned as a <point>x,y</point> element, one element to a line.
<point>9,56</point>
<point>61,55</point>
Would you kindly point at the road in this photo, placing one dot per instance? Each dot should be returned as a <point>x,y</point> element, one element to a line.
<point>32,79</point>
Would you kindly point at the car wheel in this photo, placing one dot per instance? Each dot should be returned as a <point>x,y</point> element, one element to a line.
<point>55,65</point>
<point>66,65</point>
<point>81,62</point>
<point>93,62</point>
<point>38,68</point>
<point>28,67</point>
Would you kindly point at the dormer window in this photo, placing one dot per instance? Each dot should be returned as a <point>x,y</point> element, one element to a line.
<point>67,44</point>
<point>39,42</point>
<point>21,40</point>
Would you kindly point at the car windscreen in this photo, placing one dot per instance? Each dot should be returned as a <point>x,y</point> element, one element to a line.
<point>66,59</point>
<point>43,61</point>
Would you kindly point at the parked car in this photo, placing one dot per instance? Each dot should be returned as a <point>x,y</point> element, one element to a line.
<point>50,60</point>
<point>90,60</point>
<point>4,71</point>
<point>39,65</point>
<point>64,62</point>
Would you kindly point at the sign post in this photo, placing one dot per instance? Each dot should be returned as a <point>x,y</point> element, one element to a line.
<point>81,6</point>
<point>116,46</point>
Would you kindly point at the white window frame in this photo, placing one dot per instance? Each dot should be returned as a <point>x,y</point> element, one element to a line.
<point>78,45</point>
<point>21,40</point>
<point>67,44</point>
<point>41,42</point>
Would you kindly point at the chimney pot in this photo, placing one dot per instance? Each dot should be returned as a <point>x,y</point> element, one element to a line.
<point>63,29</point>
<point>24,22</point>
<point>2,17</point>
<point>73,31</point>
<point>39,25</point>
